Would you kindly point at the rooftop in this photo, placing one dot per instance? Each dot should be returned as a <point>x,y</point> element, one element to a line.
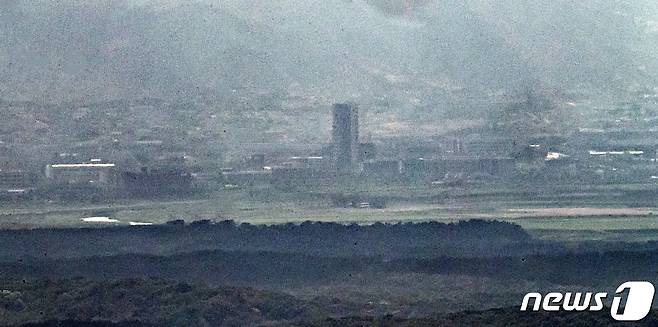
<point>83,165</point>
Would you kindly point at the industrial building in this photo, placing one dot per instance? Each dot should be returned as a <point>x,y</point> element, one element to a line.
<point>93,180</point>
<point>247,178</point>
<point>303,172</point>
<point>93,173</point>
<point>153,182</point>
<point>469,166</point>
<point>293,177</point>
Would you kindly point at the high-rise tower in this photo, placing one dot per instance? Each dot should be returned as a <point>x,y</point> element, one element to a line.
<point>346,136</point>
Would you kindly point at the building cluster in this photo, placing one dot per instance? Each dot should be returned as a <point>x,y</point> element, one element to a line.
<point>70,178</point>
<point>600,156</point>
<point>452,159</point>
<point>348,159</point>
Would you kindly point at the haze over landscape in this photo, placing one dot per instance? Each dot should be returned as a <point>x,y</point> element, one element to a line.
<point>324,162</point>
<point>368,50</point>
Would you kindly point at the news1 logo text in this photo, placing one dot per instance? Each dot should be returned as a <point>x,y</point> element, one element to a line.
<point>631,302</point>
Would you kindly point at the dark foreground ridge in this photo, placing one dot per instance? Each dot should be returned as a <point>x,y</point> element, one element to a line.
<point>475,237</point>
<point>492,317</point>
<point>151,302</point>
<point>139,302</point>
<point>312,274</point>
<point>215,267</point>
<point>77,323</point>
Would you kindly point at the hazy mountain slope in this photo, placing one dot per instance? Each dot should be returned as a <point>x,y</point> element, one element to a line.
<point>336,48</point>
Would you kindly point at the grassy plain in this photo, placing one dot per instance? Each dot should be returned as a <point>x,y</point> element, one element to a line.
<point>560,212</point>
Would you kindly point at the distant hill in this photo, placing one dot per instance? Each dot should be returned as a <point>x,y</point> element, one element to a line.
<point>79,50</point>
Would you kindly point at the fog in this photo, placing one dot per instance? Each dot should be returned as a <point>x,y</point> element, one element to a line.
<point>324,162</point>
<point>339,49</point>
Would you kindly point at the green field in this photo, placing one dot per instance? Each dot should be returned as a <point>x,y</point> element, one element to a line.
<point>563,212</point>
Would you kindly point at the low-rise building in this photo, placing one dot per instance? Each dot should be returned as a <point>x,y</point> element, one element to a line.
<point>247,178</point>
<point>153,182</point>
<point>290,177</point>
<point>15,184</point>
<point>437,168</point>
<point>88,173</point>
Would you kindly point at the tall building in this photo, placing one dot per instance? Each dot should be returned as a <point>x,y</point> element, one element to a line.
<point>346,136</point>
